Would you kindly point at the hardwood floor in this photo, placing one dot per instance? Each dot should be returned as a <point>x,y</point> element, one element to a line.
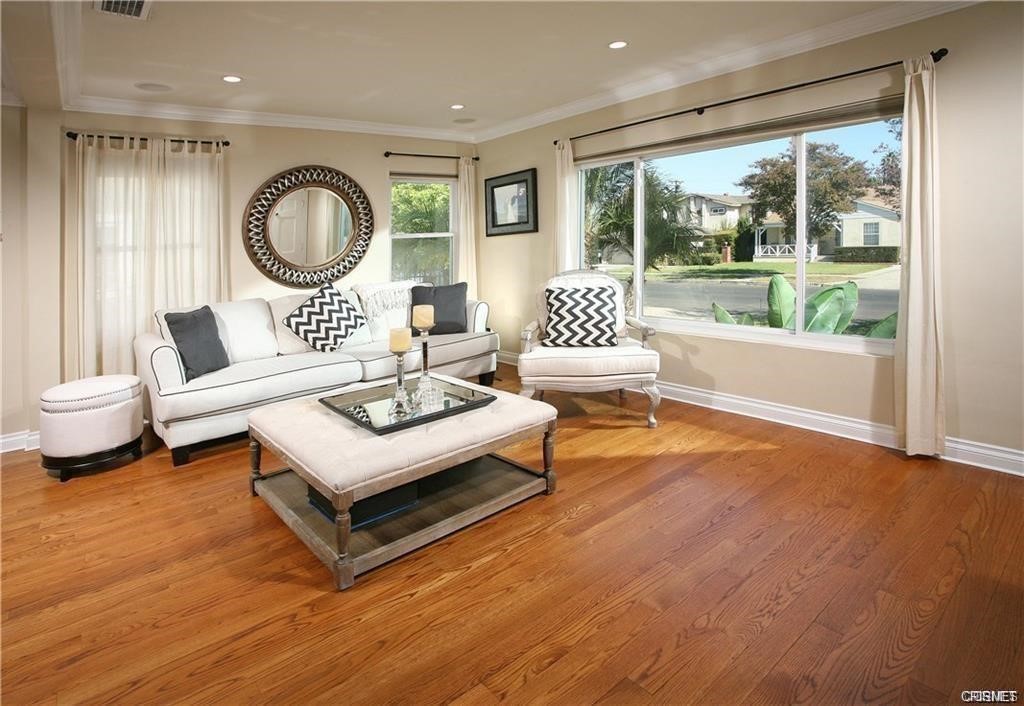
<point>716,559</point>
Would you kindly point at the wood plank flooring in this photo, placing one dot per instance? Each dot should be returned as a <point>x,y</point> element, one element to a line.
<point>716,559</point>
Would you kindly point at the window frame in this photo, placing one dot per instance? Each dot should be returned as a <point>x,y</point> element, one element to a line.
<point>797,338</point>
<point>451,234</point>
<point>877,233</point>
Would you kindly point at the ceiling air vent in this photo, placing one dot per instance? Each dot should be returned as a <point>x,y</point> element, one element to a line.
<point>135,9</point>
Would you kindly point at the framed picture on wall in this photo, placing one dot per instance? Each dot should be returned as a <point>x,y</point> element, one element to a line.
<point>511,203</point>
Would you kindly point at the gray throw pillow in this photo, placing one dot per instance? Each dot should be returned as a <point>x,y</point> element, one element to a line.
<point>449,306</point>
<point>199,345</point>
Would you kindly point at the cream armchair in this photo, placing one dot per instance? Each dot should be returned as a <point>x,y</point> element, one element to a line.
<point>630,363</point>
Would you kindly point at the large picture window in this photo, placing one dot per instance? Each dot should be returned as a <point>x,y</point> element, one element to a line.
<point>422,230</point>
<point>799,234</point>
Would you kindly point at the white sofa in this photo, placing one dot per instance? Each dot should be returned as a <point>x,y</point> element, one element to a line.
<point>269,364</point>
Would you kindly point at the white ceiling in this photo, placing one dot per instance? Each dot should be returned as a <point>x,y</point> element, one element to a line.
<point>396,67</point>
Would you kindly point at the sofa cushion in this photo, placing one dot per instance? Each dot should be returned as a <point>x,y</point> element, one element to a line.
<point>378,362</point>
<point>580,317</point>
<point>288,343</point>
<point>385,306</point>
<point>245,328</point>
<point>198,341</point>
<point>629,357</point>
<point>257,382</point>
<point>449,304</point>
<point>325,320</point>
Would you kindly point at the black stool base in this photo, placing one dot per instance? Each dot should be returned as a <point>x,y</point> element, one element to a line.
<point>68,465</point>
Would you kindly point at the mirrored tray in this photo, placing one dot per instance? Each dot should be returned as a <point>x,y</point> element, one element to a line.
<point>369,407</point>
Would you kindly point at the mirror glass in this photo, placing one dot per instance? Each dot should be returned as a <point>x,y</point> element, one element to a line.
<point>310,226</point>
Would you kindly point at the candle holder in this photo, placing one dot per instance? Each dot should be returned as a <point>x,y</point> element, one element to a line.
<point>400,405</point>
<point>427,396</point>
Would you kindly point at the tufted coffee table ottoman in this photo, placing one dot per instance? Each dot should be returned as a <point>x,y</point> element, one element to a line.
<point>335,467</point>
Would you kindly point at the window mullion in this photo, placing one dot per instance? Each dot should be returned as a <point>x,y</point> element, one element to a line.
<point>638,236</point>
<point>800,147</point>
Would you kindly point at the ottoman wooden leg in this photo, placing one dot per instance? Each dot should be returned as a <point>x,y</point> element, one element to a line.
<point>344,572</point>
<point>255,459</point>
<point>549,457</point>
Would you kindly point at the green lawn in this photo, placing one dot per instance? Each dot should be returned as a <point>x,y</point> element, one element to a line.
<point>817,271</point>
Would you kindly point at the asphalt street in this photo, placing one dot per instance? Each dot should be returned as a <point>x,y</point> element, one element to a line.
<point>694,297</point>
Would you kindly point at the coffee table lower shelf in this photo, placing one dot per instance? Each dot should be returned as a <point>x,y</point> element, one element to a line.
<point>448,501</point>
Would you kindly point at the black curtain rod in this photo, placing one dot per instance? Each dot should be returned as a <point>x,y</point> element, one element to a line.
<point>937,56</point>
<point>71,135</point>
<point>431,156</point>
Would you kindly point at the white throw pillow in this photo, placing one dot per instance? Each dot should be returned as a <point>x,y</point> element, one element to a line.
<point>288,343</point>
<point>245,328</point>
<point>386,306</point>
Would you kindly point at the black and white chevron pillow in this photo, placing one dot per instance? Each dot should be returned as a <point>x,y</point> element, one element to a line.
<point>583,316</point>
<point>325,320</point>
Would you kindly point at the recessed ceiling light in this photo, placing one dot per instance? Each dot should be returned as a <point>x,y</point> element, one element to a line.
<point>232,79</point>
<point>619,44</point>
<point>456,106</point>
<point>153,87</point>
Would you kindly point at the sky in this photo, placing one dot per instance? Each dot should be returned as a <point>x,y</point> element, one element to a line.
<point>717,171</point>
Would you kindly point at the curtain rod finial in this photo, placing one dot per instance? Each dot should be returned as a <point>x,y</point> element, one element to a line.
<point>939,54</point>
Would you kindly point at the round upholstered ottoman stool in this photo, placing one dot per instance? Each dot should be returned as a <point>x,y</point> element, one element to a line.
<point>86,423</point>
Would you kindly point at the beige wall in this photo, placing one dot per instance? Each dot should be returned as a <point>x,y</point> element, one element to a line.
<point>31,272</point>
<point>13,257</point>
<point>980,96</point>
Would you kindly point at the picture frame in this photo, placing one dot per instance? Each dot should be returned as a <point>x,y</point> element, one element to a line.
<point>511,203</point>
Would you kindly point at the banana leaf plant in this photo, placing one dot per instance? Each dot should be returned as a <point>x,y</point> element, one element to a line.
<point>829,311</point>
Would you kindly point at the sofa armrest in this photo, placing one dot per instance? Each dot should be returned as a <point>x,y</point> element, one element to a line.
<point>646,330</point>
<point>476,316</point>
<point>530,336</point>
<point>158,363</point>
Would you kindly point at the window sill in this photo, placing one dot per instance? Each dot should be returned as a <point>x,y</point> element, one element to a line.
<point>854,345</point>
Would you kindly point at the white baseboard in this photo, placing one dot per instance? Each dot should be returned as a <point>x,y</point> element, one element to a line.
<point>19,441</point>
<point>834,424</point>
<point>996,458</point>
<point>508,358</point>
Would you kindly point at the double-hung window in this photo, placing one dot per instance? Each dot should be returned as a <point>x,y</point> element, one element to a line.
<point>423,230</point>
<point>795,271</point>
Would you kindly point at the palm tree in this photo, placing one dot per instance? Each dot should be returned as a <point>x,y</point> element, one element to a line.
<point>669,231</point>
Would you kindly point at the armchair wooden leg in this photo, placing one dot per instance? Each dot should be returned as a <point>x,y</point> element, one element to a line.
<point>528,391</point>
<point>622,394</point>
<point>655,396</point>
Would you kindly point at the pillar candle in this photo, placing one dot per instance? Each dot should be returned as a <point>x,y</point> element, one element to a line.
<point>400,340</point>
<point>423,316</point>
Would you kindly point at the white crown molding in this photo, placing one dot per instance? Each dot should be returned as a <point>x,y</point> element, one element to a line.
<point>146,109</point>
<point>973,453</point>
<point>19,441</point>
<point>809,40</point>
<point>66,25</point>
<point>67,41</point>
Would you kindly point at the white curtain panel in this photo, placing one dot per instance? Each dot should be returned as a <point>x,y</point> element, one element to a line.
<point>920,404</point>
<point>567,209</point>
<point>149,236</point>
<point>466,224</point>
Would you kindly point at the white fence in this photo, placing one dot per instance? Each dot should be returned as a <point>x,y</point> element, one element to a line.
<point>784,250</point>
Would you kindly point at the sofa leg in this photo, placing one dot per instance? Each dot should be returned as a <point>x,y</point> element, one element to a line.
<point>622,394</point>
<point>180,455</point>
<point>528,391</point>
<point>655,397</point>
<point>487,379</point>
